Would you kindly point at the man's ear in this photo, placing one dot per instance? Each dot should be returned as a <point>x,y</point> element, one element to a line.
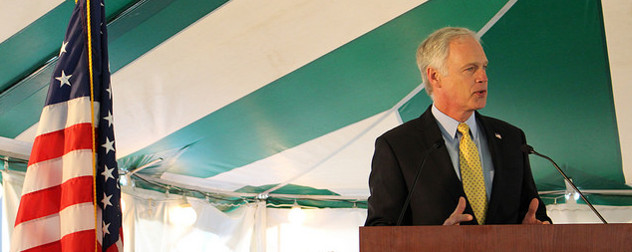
<point>433,77</point>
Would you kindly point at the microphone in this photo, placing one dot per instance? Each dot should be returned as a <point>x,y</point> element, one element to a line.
<point>529,150</point>
<point>435,146</point>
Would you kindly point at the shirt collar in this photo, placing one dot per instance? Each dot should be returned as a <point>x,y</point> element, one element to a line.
<point>450,125</point>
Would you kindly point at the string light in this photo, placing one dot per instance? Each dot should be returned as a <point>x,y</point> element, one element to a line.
<point>296,215</point>
<point>570,193</point>
<point>183,214</point>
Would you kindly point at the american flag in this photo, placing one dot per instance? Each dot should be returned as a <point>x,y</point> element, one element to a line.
<point>71,195</point>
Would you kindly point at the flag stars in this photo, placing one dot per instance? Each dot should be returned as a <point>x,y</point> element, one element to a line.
<point>64,79</point>
<point>109,118</point>
<point>109,89</point>
<point>106,228</point>
<point>71,56</point>
<point>108,145</point>
<point>106,201</point>
<point>107,173</point>
<point>63,48</point>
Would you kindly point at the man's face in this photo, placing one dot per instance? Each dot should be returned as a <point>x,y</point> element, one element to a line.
<point>464,88</point>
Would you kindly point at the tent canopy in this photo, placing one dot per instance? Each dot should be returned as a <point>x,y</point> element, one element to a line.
<point>284,100</point>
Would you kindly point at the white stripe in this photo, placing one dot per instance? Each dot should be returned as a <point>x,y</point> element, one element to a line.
<point>15,15</point>
<point>77,218</point>
<point>344,171</point>
<point>15,148</point>
<point>617,19</point>
<point>100,226</point>
<point>347,171</point>
<point>211,64</point>
<point>495,18</point>
<point>51,228</point>
<point>54,172</point>
<point>61,115</point>
<point>119,243</point>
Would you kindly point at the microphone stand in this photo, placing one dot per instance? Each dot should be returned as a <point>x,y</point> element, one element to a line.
<point>530,150</point>
<point>437,145</point>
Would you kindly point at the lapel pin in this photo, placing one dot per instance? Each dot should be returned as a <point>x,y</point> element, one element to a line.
<point>498,136</point>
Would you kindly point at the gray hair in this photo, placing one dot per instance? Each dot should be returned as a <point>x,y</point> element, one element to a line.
<point>434,51</point>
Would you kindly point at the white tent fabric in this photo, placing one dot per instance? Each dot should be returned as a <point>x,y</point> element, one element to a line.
<point>15,15</point>
<point>570,213</point>
<point>11,192</point>
<point>301,36</point>
<point>153,93</point>
<point>351,145</point>
<point>162,84</point>
<point>253,226</point>
<point>618,24</point>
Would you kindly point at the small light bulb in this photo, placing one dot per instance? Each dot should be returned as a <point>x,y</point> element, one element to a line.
<point>296,215</point>
<point>123,180</point>
<point>182,215</point>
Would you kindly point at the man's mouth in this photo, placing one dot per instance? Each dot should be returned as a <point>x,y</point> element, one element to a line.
<point>480,92</point>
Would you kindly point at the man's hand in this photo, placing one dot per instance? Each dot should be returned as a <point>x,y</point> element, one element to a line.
<point>529,218</point>
<point>457,216</point>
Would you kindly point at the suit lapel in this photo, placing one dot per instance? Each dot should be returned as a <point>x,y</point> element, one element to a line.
<point>494,141</point>
<point>440,160</point>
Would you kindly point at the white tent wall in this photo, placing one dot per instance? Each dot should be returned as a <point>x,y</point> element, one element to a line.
<point>252,226</point>
<point>148,227</point>
<point>570,213</point>
<point>11,191</point>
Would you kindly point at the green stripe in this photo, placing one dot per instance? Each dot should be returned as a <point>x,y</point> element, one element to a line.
<point>549,75</point>
<point>360,79</point>
<point>131,35</point>
<point>33,46</point>
<point>30,48</point>
<point>287,189</point>
<point>563,83</point>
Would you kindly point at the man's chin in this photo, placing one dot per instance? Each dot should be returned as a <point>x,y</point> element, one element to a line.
<point>479,105</point>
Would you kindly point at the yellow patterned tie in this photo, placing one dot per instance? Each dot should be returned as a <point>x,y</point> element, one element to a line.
<point>472,174</point>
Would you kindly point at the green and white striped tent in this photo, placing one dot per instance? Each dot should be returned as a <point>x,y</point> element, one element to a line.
<point>233,101</point>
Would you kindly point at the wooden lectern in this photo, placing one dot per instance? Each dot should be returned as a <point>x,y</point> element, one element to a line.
<point>557,237</point>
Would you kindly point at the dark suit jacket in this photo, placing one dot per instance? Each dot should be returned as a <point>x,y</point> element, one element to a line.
<point>398,155</point>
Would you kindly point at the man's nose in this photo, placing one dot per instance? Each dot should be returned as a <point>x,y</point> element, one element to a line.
<point>481,76</point>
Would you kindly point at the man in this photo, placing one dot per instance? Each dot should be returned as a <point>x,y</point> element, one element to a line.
<point>478,174</point>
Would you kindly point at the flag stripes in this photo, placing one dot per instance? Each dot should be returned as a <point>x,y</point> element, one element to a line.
<point>55,144</point>
<point>77,163</point>
<point>73,191</point>
<point>68,242</point>
<point>71,200</point>
<point>61,115</point>
<point>43,235</point>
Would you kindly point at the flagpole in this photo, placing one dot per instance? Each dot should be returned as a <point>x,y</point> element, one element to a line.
<point>94,140</point>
